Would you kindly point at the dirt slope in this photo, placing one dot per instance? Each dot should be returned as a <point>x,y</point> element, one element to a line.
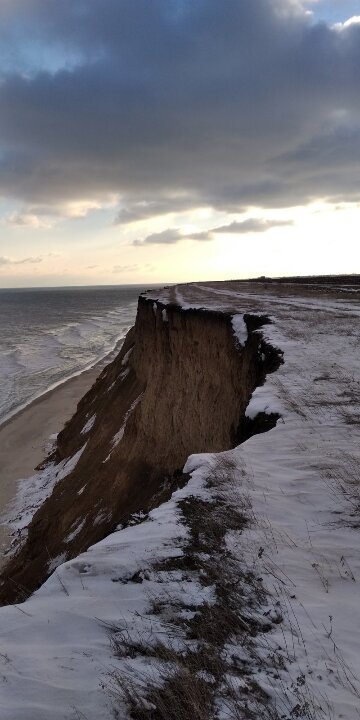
<point>180,385</point>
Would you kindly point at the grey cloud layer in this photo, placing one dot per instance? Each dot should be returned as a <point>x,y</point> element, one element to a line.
<point>176,104</point>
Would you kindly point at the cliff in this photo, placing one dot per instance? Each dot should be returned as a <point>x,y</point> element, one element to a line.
<point>180,385</point>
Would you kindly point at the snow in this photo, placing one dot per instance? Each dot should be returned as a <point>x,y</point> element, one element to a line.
<point>164,315</point>
<point>51,443</point>
<point>199,461</point>
<point>89,425</point>
<point>240,329</point>
<point>120,434</point>
<point>263,401</point>
<point>122,375</point>
<point>126,357</point>
<point>310,562</point>
<point>179,298</point>
<point>55,562</point>
<point>33,491</point>
<point>299,484</point>
<point>57,642</point>
<point>76,531</point>
<point>100,518</point>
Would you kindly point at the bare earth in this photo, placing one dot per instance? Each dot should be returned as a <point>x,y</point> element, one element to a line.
<point>23,439</point>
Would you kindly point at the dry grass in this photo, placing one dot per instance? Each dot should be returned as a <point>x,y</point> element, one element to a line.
<point>183,696</point>
<point>189,676</point>
<point>193,672</point>
<point>343,482</point>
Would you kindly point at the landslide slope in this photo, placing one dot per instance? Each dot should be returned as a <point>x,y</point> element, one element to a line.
<point>180,385</point>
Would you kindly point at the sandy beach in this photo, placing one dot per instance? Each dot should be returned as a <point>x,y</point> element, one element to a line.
<point>23,438</point>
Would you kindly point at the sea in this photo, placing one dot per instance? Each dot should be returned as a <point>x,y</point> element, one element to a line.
<point>50,335</point>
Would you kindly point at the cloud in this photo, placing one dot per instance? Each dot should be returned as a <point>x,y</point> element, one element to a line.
<point>171,236</point>
<point>28,220</point>
<point>125,268</point>
<point>183,114</point>
<point>203,236</point>
<point>251,225</point>
<point>4,260</point>
<point>137,211</point>
<point>166,237</point>
<point>174,235</point>
<point>355,20</point>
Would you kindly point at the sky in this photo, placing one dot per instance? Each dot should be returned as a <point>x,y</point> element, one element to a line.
<point>178,140</point>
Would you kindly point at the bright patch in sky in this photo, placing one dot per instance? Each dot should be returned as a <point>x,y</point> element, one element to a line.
<point>333,11</point>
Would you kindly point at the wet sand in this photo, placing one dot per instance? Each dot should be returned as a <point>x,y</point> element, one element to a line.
<point>24,438</point>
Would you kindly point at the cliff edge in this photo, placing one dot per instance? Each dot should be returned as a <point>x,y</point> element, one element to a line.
<point>180,385</point>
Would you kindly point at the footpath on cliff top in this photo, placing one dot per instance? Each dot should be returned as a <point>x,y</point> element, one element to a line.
<point>238,595</point>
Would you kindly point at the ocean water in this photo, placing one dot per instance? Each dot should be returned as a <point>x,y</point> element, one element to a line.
<point>48,335</point>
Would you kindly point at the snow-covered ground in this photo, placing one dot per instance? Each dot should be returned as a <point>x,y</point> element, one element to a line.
<point>298,486</point>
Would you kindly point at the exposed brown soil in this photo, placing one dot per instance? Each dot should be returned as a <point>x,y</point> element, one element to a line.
<point>185,390</point>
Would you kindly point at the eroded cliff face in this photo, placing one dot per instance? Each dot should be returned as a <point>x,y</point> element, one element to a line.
<point>180,385</point>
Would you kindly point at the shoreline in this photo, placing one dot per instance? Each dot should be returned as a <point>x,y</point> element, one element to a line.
<point>103,360</point>
<point>24,436</point>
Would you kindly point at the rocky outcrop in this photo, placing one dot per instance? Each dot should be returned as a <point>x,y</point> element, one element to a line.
<point>180,385</point>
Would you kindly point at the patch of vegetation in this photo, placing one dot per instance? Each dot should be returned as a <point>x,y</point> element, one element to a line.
<point>192,675</point>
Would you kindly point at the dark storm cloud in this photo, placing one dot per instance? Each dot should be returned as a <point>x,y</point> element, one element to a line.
<point>193,102</point>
